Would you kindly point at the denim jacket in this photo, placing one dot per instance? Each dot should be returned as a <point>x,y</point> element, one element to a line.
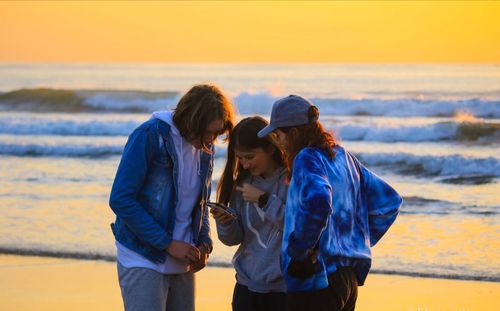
<point>338,208</point>
<point>144,193</point>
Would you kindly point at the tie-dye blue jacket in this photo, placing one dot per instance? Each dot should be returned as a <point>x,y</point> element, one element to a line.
<point>339,203</point>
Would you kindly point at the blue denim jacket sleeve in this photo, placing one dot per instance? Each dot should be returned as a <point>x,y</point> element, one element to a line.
<point>205,238</point>
<point>382,201</point>
<point>315,204</point>
<point>129,179</point>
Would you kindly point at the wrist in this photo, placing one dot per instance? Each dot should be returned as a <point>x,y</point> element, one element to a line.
<point>204,247</point>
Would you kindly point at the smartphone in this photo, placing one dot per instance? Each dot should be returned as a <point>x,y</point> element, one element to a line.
<point>221,207</point>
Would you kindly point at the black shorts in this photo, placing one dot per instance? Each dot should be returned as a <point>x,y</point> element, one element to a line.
<point>246,300</point>
<point>341,294</point>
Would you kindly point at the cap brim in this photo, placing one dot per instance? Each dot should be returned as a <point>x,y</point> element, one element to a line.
<point>266,131</point>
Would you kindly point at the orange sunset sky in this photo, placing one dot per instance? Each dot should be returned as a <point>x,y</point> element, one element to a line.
<point>250,32</point>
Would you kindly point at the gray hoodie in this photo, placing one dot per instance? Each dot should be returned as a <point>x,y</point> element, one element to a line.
<point>259,233</point>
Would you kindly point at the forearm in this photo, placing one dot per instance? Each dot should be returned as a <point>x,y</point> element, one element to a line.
<point>311,220</point>
<point>205,239</point>
<point>230,234</point>
<point>383,204</point>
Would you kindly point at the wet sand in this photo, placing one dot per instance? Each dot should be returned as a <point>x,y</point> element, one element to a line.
<point>28,283</point>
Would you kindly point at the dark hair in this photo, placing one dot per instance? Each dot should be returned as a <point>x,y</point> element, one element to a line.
<point>244,137</point>
<point>309,135</point>
<point>201,105</point>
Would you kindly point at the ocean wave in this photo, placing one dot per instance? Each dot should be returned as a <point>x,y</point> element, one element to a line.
<point>68,150</point>
<point>261,103</point>
<point>130,101</point>
<point>69,125</point>
<point>440,131</point>
<point>453,168</point>
<point>421,205</point>
<point>434,275</point>
<point>61,100</point>
<point>55,254</point>
<point>409,107</point>
<point>348,129</point>
<point>444,167</point>
<point>227,264</point>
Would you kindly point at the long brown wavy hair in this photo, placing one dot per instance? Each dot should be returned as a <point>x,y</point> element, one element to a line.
<point>312,134</point>
<point>201,105</point>
<point>244,137</point>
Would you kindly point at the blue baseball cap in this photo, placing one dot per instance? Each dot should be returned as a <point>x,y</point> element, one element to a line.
<point>292,110</point>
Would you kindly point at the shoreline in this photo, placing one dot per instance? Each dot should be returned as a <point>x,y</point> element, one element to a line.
<point>72,284</point>
<point>223,265</point>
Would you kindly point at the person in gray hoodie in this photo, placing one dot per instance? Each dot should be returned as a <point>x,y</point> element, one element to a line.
<point>254,187</point>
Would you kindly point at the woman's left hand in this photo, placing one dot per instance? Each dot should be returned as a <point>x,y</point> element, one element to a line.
<point>250,193</point>
<point>202,262</point>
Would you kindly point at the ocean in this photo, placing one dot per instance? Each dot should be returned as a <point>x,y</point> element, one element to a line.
<point>431,131</point>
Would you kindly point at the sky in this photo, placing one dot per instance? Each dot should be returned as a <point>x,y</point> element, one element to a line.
<point>250,32</point>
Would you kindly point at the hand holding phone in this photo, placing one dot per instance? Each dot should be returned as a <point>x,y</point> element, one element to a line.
<point>221,213</point>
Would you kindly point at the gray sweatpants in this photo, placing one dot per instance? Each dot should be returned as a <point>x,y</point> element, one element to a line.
<point>147,290</point>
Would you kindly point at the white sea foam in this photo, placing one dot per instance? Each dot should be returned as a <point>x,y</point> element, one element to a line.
<point>246,102</point>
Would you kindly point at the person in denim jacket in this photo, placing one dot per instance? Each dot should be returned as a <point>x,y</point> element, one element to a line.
<point>159,197</point>
<point>336,210</point>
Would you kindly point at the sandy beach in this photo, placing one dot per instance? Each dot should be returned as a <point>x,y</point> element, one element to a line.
<point>28,283</point>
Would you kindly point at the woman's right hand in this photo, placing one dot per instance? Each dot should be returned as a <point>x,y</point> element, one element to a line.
<point>183,251</point>
<point>221,217</point>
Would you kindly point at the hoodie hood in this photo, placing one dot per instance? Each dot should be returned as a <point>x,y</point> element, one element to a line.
<point>180,142</point>
<point>167,117</point>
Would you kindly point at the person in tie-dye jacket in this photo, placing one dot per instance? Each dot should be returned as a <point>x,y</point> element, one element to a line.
<point>336,210</point>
